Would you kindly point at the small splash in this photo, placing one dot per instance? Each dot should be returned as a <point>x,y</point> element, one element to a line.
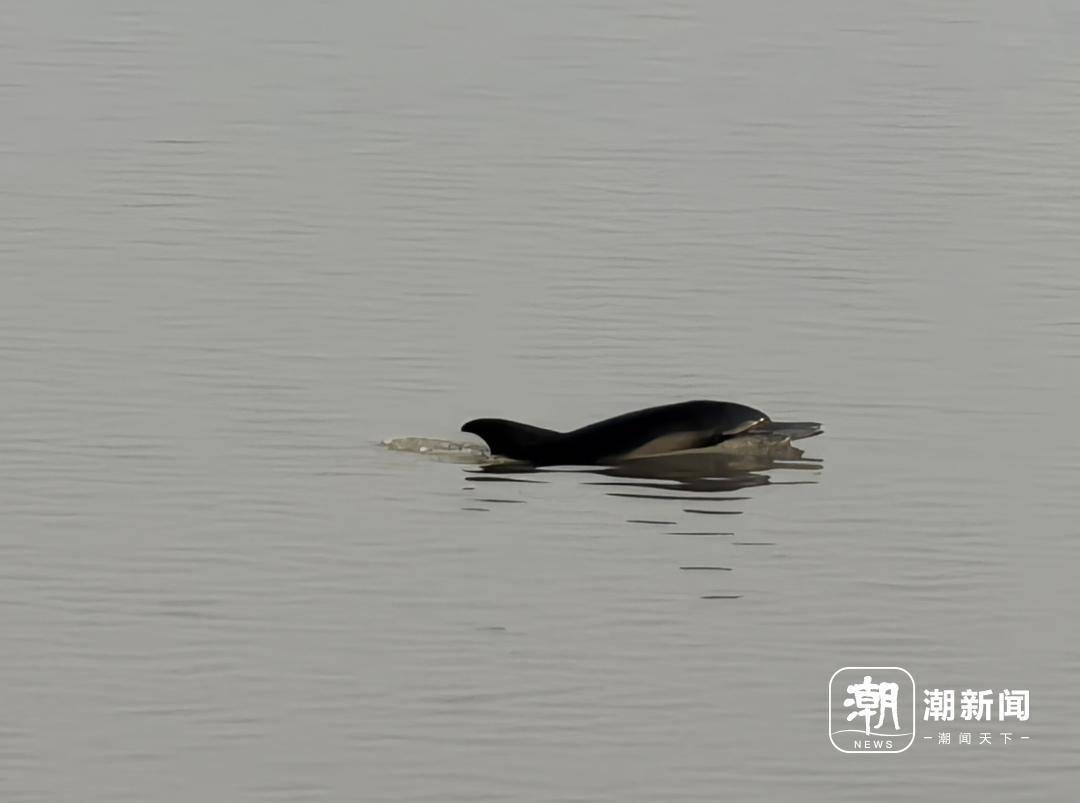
<point>451,451</point>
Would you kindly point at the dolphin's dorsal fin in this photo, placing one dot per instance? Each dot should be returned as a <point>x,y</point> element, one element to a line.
<point>511,438</point>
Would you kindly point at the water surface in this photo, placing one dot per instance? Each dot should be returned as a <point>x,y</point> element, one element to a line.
<point>243,244</point>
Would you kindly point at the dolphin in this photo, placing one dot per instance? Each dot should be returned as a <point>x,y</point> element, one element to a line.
<point>642,433</point>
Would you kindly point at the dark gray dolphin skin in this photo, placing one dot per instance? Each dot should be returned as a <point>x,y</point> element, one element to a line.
<point>656,430</point>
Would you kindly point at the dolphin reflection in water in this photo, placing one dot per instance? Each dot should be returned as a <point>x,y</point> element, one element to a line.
<point>685,461</point>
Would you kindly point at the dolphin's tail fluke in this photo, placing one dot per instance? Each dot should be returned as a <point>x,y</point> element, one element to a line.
<point>514,440</point>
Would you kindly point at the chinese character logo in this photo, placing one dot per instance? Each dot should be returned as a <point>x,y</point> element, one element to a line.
<point>976,706</point>
<point>871,709</point>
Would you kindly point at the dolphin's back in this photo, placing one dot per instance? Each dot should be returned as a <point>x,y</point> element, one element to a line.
<point>667,428</point>
<point>655,430</point>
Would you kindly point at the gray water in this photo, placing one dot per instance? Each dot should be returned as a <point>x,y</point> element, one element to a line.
<point>242,243</point>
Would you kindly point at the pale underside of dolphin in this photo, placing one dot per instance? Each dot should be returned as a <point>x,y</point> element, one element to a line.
<point>671,428</point>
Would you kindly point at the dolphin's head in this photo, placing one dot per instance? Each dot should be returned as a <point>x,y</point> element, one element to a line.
<point>729,418</point>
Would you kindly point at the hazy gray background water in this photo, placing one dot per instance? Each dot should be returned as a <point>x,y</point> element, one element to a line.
<point>242,242</point>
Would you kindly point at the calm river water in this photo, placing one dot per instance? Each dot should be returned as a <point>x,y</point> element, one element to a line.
<point>242,243</point>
